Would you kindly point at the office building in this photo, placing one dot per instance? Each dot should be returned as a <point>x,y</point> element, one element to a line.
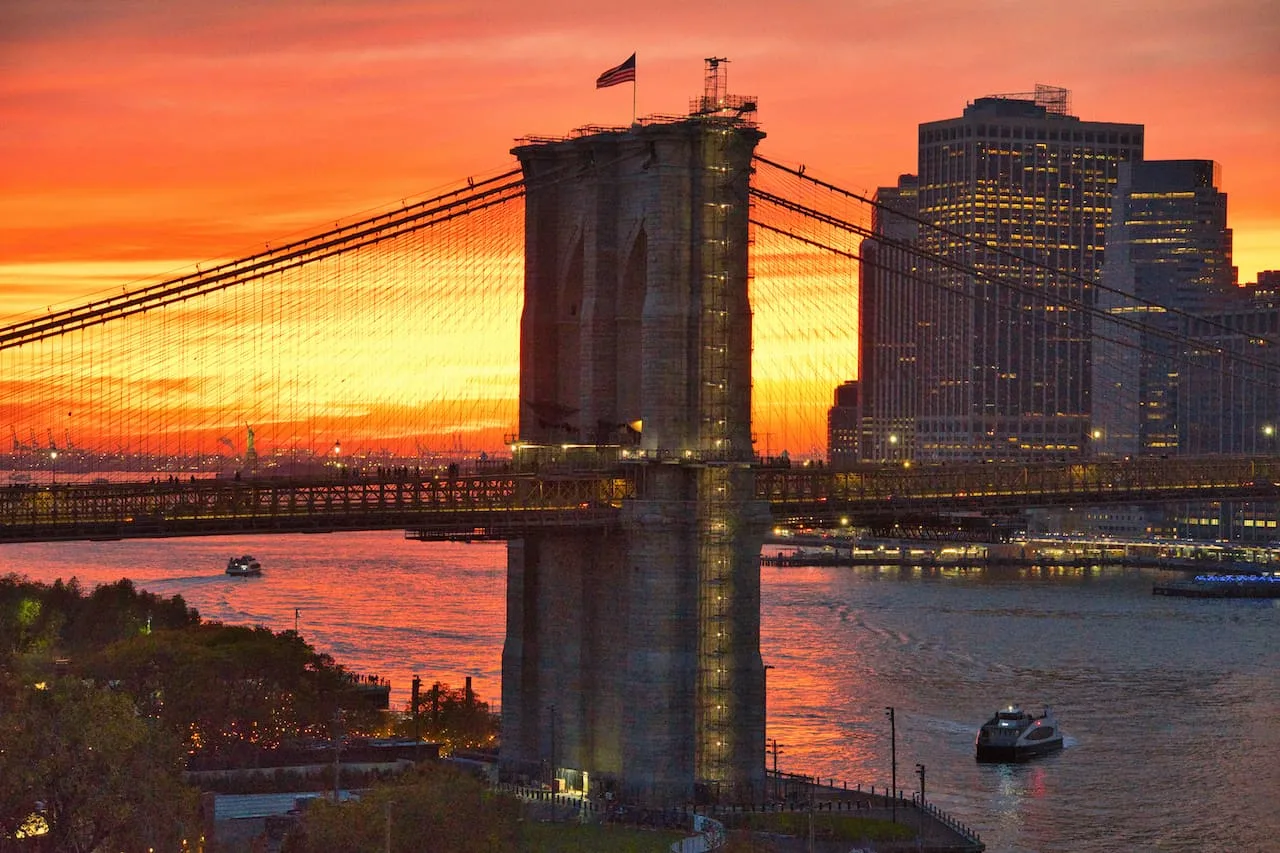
<point>888,303</point>
<point>1168,259</point>
<point>844,426</point>
<point>1018,194</point>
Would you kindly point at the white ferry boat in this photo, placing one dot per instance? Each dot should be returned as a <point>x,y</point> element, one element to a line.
<point>1015,735</point>
<point>245,566</point>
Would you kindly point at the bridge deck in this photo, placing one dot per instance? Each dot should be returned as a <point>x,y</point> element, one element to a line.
<point>506,504</point>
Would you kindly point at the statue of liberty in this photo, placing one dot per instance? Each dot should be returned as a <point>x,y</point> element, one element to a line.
<point>250,452</point>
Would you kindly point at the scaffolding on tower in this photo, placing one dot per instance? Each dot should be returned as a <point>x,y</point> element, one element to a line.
<point>724,113</point>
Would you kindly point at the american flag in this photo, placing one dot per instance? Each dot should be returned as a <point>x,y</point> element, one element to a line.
<point>624,73</point>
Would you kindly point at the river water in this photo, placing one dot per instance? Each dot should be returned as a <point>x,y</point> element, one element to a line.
<point>1171,706</point>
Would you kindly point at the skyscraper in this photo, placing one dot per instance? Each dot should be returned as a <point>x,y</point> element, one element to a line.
<point>844,426</point>
<point>888,315</point>
<point>1168,256</point>
<point>1019,193</point>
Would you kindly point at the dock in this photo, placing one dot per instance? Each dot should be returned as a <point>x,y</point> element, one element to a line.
<point>1221,586</point>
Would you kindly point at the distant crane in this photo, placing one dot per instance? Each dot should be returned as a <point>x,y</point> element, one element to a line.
<point>17,445</point>
<point>53,445</point>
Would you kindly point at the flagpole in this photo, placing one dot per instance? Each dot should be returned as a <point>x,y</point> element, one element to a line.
<point>633,100</point>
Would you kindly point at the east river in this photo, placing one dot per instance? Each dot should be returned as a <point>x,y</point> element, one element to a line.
<point>1171,706</point>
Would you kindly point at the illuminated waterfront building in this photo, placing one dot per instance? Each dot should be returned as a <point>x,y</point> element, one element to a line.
<point>1168,259</point>
<point>1020,191</point>
<point>888,307</point>
<point>844,426</point>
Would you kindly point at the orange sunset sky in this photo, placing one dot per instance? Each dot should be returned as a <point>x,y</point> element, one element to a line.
<point>141,136</point>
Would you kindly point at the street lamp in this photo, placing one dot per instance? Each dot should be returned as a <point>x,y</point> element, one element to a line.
<point>893,761</point>
<point>552,708</point>
<point>771,748</point>
<point>53,466</point>
<point>920,771</point>
<point>1269,431</point>
<point>765,687</point>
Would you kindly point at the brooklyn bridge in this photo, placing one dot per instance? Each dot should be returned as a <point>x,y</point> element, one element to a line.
<point>617,356</point>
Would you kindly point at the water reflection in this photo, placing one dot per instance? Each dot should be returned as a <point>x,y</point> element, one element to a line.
<point>1120,666</point>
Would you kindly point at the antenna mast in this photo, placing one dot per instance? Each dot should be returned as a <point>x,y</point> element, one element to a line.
<point>715,100</point>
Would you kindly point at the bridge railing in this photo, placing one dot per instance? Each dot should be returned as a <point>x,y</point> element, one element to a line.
<point>798,492</point>
<point>481,506</point>
<point>503,504</point>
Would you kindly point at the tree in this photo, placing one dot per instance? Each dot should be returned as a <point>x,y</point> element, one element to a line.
<point>433,807</point>
<point>107,777</point>
<point>230,690</point>
<point>454,717</point>
<point>38,619</point>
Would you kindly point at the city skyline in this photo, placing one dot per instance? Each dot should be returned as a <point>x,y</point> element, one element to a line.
<point>150,137</point>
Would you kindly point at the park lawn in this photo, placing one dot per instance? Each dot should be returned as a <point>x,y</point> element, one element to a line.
<point>539,837</point>
<point>826,827</point>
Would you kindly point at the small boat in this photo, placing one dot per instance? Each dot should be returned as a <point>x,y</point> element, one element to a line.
<point>1014,735</point>
<point>244,567</point>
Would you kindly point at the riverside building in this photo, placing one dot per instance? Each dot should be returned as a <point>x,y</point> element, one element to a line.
<point>1168,260</point>
<point>1019,191</point>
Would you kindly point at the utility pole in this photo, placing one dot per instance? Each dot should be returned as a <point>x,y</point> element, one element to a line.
<point>415,701</point>
<point>337,753</point>
<point>920,829</point>
<point>764,689</point>
<point>813,802</point>
<point>777,780</point>
<point>553,748</point>
<point>555,804</point>
<point>893,761</point>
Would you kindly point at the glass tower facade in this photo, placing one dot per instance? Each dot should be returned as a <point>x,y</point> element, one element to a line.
<point>1019,195</point>
<point>1168,256</point>
<point>888,313</point>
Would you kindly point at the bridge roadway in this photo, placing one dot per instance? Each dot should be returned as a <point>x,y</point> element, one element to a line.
<point>505,504</point>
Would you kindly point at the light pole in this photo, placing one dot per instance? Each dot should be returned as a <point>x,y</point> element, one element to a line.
<point>920,830</point>
<point>893,762</point>
<point>553,749</point>
<point>337,754</point>
<point>765,688</point>
<point>773,750</point>
<point>415,699</point>
<point>53,466</point>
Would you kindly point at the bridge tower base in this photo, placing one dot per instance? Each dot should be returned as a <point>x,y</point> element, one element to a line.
<point>604,665</point>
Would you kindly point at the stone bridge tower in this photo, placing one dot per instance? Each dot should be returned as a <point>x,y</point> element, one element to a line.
<point>632,655</point>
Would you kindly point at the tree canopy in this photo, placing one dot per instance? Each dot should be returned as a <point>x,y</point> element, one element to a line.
<point>100,775</point>
<point>435,807</point>
<point>38,618</point>
<point>106,697</point>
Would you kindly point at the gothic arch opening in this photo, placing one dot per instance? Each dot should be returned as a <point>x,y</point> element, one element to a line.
<point>630,309</point>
